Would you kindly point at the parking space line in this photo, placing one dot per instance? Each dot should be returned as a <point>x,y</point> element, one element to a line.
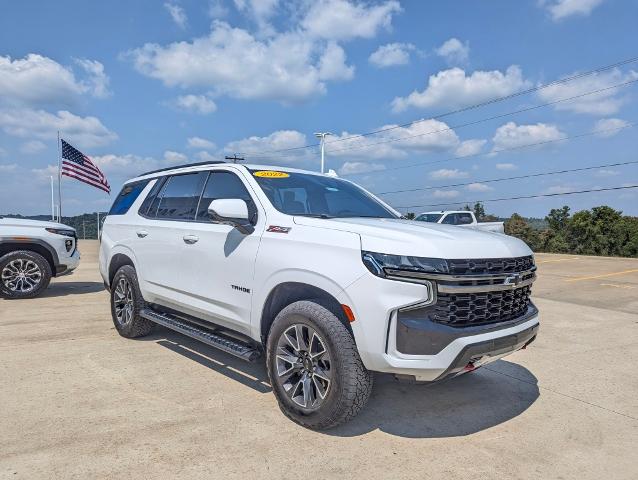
<point>558,260</point>
<point>604,275</point>
<point>615,285</point>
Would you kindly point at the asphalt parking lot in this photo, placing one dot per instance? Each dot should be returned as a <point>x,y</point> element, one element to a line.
<point>78,401</point>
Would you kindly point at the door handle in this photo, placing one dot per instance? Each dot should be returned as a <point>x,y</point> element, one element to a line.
<point>190,239</point>
<point>141,233</point>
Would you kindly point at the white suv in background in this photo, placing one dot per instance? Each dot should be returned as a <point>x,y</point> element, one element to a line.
<point>31,252</point>
<point>321,276</point>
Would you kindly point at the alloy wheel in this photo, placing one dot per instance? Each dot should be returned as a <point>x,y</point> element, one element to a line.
<point>304,366</point>
<point>21,275</point>
<point>123,302</point>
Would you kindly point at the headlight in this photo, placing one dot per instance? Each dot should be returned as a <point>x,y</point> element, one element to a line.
<point>380,263</point>
<point>59,231</point>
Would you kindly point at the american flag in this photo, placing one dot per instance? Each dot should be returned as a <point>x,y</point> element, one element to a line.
<point>77,165</point>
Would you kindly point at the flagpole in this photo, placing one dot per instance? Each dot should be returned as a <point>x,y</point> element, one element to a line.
<point>59,180</point>
<point>52,201</point>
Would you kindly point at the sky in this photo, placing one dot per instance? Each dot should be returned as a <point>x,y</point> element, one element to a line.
<point>150,84</point>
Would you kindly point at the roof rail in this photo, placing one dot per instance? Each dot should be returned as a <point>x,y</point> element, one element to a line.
<point>174,167</point>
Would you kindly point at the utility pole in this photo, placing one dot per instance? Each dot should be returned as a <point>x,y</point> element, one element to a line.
<point>235,158</point>
<point>322,136</point>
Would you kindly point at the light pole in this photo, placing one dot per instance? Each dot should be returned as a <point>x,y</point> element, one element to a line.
<point>322,136</point>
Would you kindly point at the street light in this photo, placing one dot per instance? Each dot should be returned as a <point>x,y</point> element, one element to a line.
<point>322,136</point>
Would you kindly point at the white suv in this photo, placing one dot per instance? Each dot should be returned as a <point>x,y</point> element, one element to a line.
<point>31,252</point>
<point>321,276</point>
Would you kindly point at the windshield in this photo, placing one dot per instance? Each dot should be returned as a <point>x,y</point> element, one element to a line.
<point>429,217</point>
<point>318,196</point>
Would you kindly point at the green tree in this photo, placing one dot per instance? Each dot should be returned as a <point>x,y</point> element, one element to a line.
<point>410,215</point>
<point>519,228</point>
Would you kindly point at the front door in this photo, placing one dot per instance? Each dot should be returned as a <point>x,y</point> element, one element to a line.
<point>218,261</point>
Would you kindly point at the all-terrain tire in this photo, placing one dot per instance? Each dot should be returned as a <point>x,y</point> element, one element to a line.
<point>8,264</point>
<point>351,382</point>
<point>135,326</point>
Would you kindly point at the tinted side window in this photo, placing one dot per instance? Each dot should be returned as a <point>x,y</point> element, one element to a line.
<point>463,219</point>
<point>180,195</point>
<point>450,219</point>
<point>225,185</point>
<point>145,209</point>
<point>127,196</point>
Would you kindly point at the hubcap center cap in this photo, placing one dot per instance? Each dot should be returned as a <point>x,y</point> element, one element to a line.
<point>307,364</point>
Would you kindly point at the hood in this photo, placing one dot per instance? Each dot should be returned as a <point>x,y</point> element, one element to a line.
<point>23,222</point>
<point>422,239</point>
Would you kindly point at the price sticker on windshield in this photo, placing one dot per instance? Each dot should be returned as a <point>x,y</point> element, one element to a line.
<point>271,174</point>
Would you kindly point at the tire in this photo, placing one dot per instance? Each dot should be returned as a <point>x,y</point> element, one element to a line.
<point>24,274</point>
<point>346,384</point>
<point>126,304</point>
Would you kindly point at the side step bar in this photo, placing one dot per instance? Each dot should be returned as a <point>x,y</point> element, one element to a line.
<point>240,349</point>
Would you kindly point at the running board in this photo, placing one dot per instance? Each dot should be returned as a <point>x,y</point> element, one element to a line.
<point>240,349</point>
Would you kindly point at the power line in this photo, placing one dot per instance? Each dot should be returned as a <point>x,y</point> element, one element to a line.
<point>521,197</point>
<point>464,109</point>
<point>518,177</point>
<point>476,122</point>
<point>493,152</point>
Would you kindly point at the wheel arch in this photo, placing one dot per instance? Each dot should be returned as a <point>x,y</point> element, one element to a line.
<point>118,261</point>
<point>33,245</point>
<point>286,293</point>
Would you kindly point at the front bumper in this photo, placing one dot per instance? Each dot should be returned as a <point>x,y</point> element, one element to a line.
<point>68,264</point>
<point>376,303</point>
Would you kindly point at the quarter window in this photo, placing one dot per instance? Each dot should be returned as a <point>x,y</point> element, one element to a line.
<point>179,198</point>
<point>127,196</point>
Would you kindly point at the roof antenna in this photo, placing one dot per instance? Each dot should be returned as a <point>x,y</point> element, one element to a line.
<point>235,158</point>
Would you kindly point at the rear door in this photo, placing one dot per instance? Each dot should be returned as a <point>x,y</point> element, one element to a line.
<point>217,261</point>
<point>160,236</point>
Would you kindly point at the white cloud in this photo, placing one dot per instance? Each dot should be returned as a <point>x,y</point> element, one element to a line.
<point>204,156</point>
<point>445,193</point>
<point>352,168</point>
<point>612,125</point>
<point>604,172</point>
<point>279,140</point>
<point>287,67</point>
<point>479,187</point>
<point>391,54</point>
<point>97,81</point>
<point>345,20</point>
<point>177,13</point>
<point>607,102</point>
<point>33,147</point>
<point>174,157</point>
<point>560,189</point>
<point>422,136</point>
<point>44,174</point>
<point>10,167</point>
<point>560,9</point>
<point>511,135</point>
<point>200,104</point>
<point>83,131</point>
<point>446,173</point>
<point>453,88</point>
<point>332,64</point>
<point>470,147</point>
<point>260,11</point>
<point>200,143</point>
<point>454,51</point>
<point>39,80</point>
<point>217,9</point>
<point>506,166</point>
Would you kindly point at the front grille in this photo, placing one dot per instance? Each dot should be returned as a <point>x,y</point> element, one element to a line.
<point>485,266</point>
<point>471,309</point>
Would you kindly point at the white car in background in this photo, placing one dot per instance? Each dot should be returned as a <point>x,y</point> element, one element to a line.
<point>31,253</point>
<point>461,218</point>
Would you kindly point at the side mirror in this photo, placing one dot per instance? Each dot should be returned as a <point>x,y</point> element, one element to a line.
<point>231,211</point>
